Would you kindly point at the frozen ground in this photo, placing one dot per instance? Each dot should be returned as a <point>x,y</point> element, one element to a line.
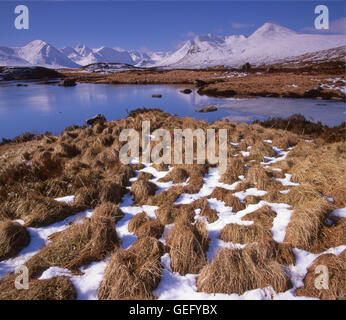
<point>172,284</point>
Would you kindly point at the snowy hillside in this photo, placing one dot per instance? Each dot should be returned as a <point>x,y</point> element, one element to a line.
<point>83,55</point>
<point>267,44</point>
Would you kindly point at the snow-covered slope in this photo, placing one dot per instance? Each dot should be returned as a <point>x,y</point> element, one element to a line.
<point>268,43</point>
<point>40,53</point>
<point>35,53</point>
<point>83,55</point>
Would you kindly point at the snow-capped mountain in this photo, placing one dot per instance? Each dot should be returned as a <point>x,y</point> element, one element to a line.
<point>40,53</point>
<point>83,55</point>
<point>37,53</point>
<point>268,43</point>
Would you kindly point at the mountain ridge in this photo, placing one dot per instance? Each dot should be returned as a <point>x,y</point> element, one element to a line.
<point>268,43</point>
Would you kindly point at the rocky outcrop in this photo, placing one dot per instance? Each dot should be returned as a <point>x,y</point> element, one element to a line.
<point>28,73</point>
<point>98,118</point>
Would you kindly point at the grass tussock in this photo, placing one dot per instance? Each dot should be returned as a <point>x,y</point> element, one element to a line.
<point>240,270</point>
<point>228,198</point>
<point>263,217</point>
<point>168,214</point>
<point>37,211</point>
<point>177,175</point>
<point>307,221</point>
<point>206,210</point>
<point>235,168</point>
<point>14,237</point>
<point>336,283</point>
<point>83,242</point>
<point>187,246</point>
<point>261,178</point>
<point>133,273</point>
<point>137,221</point>
<point>236,233</point>
<point>58,288</point>
<point>260,150</point>
<point>142,190</point>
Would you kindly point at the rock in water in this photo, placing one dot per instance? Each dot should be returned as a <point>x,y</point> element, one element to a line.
<point>313,93</point>
<point>207,109</point>
<point>68,83</point>
<point>98,118</point>
<point>186,91</point>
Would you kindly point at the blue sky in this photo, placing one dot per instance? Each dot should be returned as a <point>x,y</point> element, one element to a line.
<point>157,25</point>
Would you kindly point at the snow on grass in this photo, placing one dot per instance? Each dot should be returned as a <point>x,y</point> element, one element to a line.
<point>87,284</point>
<point>281,221</point>
<point>287,180</point>
<point>304,260</point>
<point>173,286</point>
<point>211,181</point>
<point>339,213</point>
<point>67,199</point>
<point>38,239</point>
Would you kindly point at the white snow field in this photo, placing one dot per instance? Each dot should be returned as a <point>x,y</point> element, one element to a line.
<point>269,43</point>
<point>172,285</point>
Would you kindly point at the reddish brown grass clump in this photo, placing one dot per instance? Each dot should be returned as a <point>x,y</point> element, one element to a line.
<point>336,281</point>
<point>14,238</point>
<point>142,190</point>
<point>187,246</point>
<point>58,288</point>
<point>240,270</point>
<point>133,273</point>
<point>244,234</point>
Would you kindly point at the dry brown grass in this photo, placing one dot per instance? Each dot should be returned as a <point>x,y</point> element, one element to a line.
<point>37,211</point>
<point>244,234</point>
<point>263,217</point>
<point>142,190</point>
<point>138,220</point>
<point>228,198</point>
<point>240,270</point>
<point>257,175</point>
<point>133,273</point>
<point>152,228</point>
<point>235,168</point>
<point>177,175</point>
<point>336,283</point>
<point>83,242</point>
<point>166,197</point>
<point>251,199</point>
<point>206,210</point>
<point>14,237</point>
<point>58,288</point>
<point>187,246</point>
<point>260,150</point>
<point>306,224</point>
<point>168,214</point>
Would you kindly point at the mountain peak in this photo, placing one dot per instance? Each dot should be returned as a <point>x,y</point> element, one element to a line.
<point>270,29</point>
<point>37,44</point>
